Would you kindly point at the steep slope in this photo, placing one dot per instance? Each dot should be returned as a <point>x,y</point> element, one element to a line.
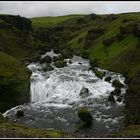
<point>15,45</point>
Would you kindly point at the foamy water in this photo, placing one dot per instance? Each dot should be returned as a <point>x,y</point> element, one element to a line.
<point>55,99</point>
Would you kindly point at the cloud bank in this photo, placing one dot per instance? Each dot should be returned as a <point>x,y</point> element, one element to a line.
<point>55,8</point>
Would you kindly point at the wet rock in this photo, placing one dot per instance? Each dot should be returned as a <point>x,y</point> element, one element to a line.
<point>99,74</point>
<point>108,78</point>
<point>60,64</point>
<point>116,92</point>
<point>46,59</point>
<point>47,67</point>
<point>111,98</point>
<point>19,113</point>
<point>119,99</point>
<point>84,92</point>
<point>117,84</point>
<point>59,58</point>
<point>85,116</point>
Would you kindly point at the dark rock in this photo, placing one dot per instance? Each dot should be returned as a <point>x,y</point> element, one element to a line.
<point>117,84</point>
<point>84,92</point>
<point>94,62</point>
<point>19,113</point>
<point>116,92</point>
<point>85,116</point>
<point>60,64</point>
<point>59,58</point>
<point>108,78</point>
<point>47,67</point>
<point>46,59</point>
<point>119,99</point>
<point>111,98</point>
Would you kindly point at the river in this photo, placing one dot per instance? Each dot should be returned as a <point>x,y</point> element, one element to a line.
<point>55,99</point>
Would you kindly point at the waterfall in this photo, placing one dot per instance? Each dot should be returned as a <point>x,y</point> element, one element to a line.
<point>55,98</point>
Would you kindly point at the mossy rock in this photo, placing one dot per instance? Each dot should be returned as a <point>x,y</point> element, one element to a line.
<point>111,98</point>
<point>116,92</point>
<point>94,63</point>
<point>46,59</point>
<point>59,58</point>
<point>117,84</point>
<point>60,64</point>
<point>48,67</point>
<point>66,53</point>
<point>108,78</point>
<point>99,74</point>
<point>85,116</point>
<point>19,113</point>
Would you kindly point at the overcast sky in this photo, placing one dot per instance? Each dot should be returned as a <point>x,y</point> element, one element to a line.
<point>55,8</point>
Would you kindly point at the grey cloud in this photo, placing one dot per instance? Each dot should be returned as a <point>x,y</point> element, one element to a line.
<point>55,8</point>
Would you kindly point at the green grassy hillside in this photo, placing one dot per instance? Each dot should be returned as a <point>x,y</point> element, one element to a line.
<point>112,40</point>
<point>15,45</point>
<point>51,21</point>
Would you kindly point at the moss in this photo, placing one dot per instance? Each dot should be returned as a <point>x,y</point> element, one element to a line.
<point>14,82</point>
<point>132,131</point>
<point>60,64</point>
<point>47,67</point>
<point>116,92</point>
<point>99,74</point>
<point>117,84</point>
<point>85,116</point>
<point>59,58</point>
<point>13,130</point>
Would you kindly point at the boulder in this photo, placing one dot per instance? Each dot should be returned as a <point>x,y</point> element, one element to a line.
<point>117,84</point>
<point>116,92</point>
<point>59,58</point>
<point>85,116</point>
<point>46,59</point>
<point>19,113</point>
<point>108,78</point>
<point>119,99</point>
<point>99,74</point>
<point>47,67</point>
<point>60,64</point>
<point>84,92</point>
<point>111,98</point>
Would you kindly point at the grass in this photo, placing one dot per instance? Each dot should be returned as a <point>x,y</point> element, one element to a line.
<point>50,21</point>
<point>14,82</point>
<point>13,130</point>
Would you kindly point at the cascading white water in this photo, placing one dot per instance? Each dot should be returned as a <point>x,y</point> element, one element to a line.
<point>55,98</point>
